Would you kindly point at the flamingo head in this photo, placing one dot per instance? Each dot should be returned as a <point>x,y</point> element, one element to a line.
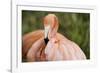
<point>50,25</point>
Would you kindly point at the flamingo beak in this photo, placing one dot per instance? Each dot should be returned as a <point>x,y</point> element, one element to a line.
<point>47,28</point>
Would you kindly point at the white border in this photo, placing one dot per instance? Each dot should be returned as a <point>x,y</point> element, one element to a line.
<point>17,64</point>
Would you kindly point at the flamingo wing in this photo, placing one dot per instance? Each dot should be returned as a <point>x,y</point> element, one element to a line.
<point>29,39</point>
<point>63,49</point>
<point>70,47</point>
<point>35,53</point>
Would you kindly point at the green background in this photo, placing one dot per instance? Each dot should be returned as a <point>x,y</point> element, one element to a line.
<point>74,26</point>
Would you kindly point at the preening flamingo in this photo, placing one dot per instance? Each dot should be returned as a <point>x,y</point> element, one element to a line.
<point>49,45</point>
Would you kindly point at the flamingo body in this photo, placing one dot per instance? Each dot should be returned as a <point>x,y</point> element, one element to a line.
<point>57,48</point>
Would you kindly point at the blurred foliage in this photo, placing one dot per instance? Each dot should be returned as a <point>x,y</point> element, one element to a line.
<point>74,26</point>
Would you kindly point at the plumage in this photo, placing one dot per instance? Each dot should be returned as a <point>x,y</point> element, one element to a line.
<point>49,45</point>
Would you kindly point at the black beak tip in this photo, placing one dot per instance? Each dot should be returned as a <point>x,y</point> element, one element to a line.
<point>46,40</point>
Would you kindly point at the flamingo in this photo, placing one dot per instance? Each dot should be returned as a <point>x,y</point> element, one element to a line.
<point>49,45</point>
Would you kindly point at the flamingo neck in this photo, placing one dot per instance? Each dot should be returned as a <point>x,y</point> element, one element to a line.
<point>53,32</point>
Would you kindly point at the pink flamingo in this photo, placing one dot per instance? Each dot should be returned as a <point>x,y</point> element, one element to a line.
<point>48,45</point>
